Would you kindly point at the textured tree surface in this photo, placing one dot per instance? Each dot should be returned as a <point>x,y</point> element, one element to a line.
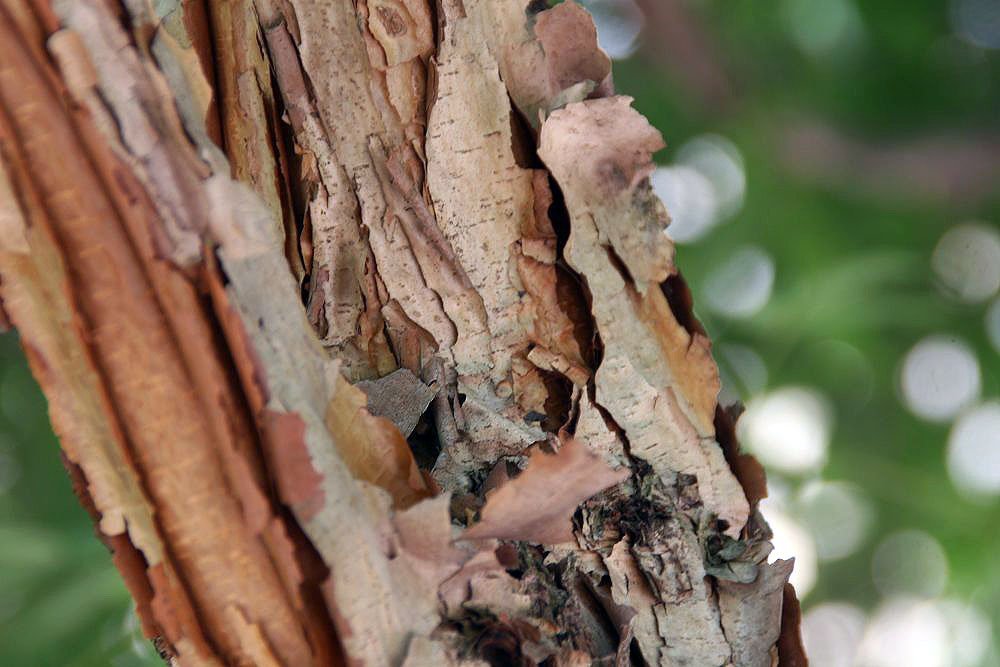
<point>364,340</point>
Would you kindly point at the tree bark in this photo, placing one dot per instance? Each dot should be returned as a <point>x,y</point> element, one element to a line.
<point>364,341</point>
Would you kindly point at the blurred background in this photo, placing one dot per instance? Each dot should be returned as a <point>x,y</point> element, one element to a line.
<point>833,174</point>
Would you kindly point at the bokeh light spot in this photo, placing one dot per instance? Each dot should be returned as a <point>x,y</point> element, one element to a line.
<point>823,27</point>
<point>910,562</point>
<point>788,429</point>
<point>741,286</point>
<point>969,633</point>
<point>690,201</point>
<point>791,540</point>
<point>720,161</point>
<point>974,450</point>
<point>619,23</point>
<point>939,377</point>
<point>907,632</point>
<point>967,262</point>
<point>705,186</point>
<point>839,516</point>
<point>832,632</point>
<point>925,633</point>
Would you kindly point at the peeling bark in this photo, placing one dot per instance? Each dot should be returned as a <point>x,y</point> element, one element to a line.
<point>355,319</point>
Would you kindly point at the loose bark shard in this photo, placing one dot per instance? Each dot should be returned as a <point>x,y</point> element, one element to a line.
<point>399,397</point>
<point>373,447</point>
<point>537,505</point>
<point>549,58</point>
<point>252,248</point>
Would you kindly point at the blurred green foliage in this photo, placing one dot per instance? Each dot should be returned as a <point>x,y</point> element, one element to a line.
<point>852,266</point>
<point>61,600</point>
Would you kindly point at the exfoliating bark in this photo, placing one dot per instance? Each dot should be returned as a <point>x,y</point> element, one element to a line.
<point>364,340</point>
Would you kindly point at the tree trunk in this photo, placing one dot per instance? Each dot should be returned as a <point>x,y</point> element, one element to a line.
<point>364,341</point>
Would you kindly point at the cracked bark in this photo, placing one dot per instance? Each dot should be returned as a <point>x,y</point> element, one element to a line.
<point>363,339</point>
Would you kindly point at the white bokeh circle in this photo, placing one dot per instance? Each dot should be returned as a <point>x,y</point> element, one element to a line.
<point>939,377</point>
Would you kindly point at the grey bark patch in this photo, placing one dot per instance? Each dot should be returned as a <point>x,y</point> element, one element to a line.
<point>400,397</point>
